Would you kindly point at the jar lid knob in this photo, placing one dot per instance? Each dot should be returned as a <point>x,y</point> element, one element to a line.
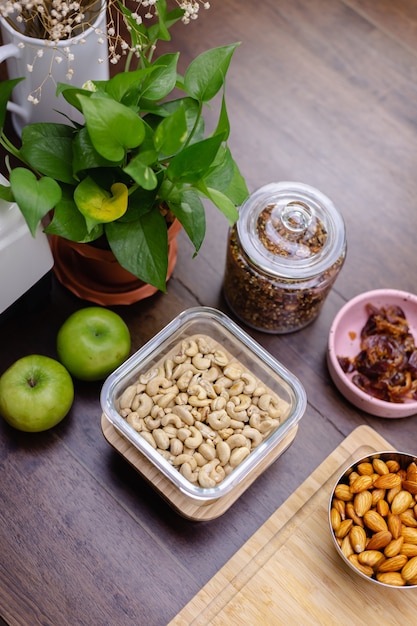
<point>296,216</point>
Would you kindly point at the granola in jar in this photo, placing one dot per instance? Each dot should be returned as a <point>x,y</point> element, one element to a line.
<point>283,257</point>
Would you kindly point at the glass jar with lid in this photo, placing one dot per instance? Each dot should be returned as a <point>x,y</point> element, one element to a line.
<point>283,256</point>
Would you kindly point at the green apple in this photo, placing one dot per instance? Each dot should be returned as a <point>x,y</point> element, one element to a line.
<point>93,342</point>
<point>36,393</point>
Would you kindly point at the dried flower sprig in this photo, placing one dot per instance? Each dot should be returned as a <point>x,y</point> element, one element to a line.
<point>130,33</point>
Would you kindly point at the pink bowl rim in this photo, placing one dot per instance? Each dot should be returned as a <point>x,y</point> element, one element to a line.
<point>367,403</point>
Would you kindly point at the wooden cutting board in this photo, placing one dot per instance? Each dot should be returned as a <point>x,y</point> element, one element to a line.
<point>289,572</point>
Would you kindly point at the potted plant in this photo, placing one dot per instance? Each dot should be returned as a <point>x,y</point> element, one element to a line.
<point>140,158</point>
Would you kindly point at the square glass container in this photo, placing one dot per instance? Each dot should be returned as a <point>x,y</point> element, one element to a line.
<point>243,349</point>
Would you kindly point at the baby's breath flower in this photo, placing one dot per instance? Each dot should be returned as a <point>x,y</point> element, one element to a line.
<point>55,21</point>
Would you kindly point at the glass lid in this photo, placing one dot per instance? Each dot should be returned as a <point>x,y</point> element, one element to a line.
<point>291,230</point>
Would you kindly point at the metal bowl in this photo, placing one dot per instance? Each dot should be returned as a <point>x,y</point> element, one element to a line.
<point>403,459</point>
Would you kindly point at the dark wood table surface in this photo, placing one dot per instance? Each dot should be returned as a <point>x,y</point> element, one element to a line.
<point>320,91</point>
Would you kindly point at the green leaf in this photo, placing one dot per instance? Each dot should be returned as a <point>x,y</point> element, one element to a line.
<point>206,75</point>
<point>85,156</point>
<point>6,193</point>
<point>141,173</point>
<point>113,127</point>
<point>171,133</point>
<point>223,124</point>
<point>47,148</point>
<point>6,88</point>
<point>125,86</point>
<point>71,93</point>
<point>141,247</point>
<point>223,203</point>
<point>34,197</point>
<point>68,222</point>
<point>189,210</point>
<point>163,79</point>
<point>192,163</point>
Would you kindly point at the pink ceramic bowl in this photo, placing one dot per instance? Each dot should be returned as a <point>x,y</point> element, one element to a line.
<point>344,341</point>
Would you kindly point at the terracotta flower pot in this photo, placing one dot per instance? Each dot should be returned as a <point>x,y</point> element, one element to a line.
<point>95,275</point>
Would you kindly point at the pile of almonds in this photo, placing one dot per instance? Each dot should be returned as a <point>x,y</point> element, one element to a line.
<point>374,519</point>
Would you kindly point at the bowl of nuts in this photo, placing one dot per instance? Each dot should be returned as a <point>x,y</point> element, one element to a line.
<point>204,403</point>
<point>373,518</point>
<point>372,352</point>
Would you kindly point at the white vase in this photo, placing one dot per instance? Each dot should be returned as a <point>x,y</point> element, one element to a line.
<point>89,62</point>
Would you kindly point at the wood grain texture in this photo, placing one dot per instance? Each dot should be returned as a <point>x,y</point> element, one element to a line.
<point>319,91</point>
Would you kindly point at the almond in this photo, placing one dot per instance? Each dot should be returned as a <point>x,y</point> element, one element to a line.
<point>393,466</point>
<point>374,521</point>
<point>377,495</point>
<point>382,507</point>
<point>373,558</point>
<point>412,471</point>
<point>365,468</point>
<point>365,569</point>
<point>361,483</point>
<point>380,466</point>
<point>379,540</point>
<point>394,564</point>
<point>335,518</point>
<point>342,492</point>
<point>410,569</point>
<point>401,502</point>
<point>394,525</point>
<point>339,505</point>
<point>391,578</point>
<point>391,493</point>
<point>409,534</point>
<point>358,538</point>
<point>346,546</point>
<point>411,486</point>
<point>351,513</point>
<point>362,503</point>
<point>387,481</point>
<point>394,547</point>
<point>344,528</point>
<point>408,518</point>
<point>409,549</point>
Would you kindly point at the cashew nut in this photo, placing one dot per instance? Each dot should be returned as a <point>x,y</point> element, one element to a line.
<point>127,397</point>
<point>253,434</point>
<point>236,441</point>
<point>161,438</point>
<point>158,384</point>
<point>223,452</point>
<point>195,439</point>
<point>188,473</point>
<point>135,421</point>
<point>144,405</point>
<point>171,418</point>
<point>218,419</point>
<point>152,423</point>
<point>176,446</point>
<point>208,451</point>
<point>184,414</point>
<point>241,416</point>
<point>238,455</point>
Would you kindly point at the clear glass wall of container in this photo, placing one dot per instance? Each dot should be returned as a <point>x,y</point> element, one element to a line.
<point>283,257</point>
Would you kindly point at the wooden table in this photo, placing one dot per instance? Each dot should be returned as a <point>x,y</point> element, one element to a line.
<point>320,91</point>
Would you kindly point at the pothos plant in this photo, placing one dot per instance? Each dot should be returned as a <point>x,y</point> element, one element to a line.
<point>141,148</point>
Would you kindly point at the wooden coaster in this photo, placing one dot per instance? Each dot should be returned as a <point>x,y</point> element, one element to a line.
<point>170,493</point>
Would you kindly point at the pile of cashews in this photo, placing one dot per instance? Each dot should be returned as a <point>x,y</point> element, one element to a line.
<point>202,410</point>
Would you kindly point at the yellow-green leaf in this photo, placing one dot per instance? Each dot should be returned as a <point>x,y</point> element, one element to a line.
<point>97,204</point>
